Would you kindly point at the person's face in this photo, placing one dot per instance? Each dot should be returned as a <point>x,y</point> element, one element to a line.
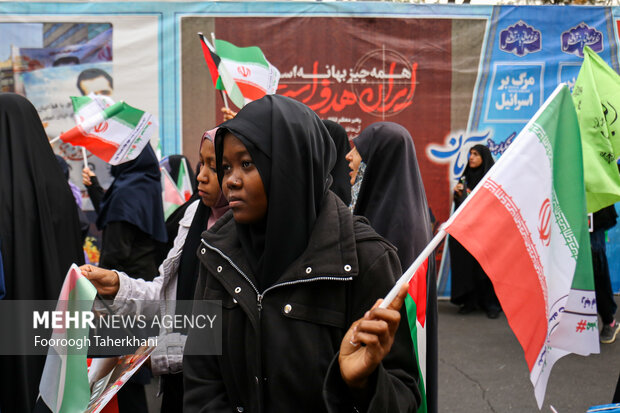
<point>354,159</point>
<point>98,85</point>
<point>208,185</point>
<point>475,160</point>
<point>241,183</point>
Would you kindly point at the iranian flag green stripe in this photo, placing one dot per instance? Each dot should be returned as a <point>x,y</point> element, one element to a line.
<point>64,383</point>
<point>525,223</point>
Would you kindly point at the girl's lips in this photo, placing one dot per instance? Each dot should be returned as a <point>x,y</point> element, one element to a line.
<point>234,202</point>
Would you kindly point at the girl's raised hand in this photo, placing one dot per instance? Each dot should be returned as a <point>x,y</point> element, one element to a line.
<point>368,341</point>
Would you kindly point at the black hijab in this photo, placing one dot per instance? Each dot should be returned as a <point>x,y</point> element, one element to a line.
<point>341,185</point>
<point>39,233</point>
<point>135,196</point>
<point>39,225</point>
<point>392,194</point>
<point>294,155</point>
<point>474,175</point>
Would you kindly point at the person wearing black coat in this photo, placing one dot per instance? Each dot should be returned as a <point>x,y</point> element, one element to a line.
<point>39,234</point>
<point>297,275</point>
<point>471,287</point>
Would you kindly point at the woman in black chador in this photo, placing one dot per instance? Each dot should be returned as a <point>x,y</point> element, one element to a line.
<point>39,234</point>
<point>297,276</point>
<point>471,287</point>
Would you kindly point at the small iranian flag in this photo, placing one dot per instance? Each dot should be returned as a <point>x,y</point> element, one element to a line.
<point>526,224</point>
<point>254,76</point>
<point>171,196</point>
<point>115,133</point>
<point>64,384</point>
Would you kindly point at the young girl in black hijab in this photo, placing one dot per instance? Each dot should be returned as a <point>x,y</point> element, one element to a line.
<point>471,287</point>
<point>297,276</point>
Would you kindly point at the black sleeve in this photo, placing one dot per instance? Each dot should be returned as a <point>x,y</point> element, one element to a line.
<point>95,193</point>
<point>393,387</point>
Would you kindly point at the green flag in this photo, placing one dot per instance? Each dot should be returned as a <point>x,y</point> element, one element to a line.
<point>597,100</point>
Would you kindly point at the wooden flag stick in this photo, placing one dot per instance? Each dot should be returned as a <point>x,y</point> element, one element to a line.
<point>406,277</point>
<point>53,141</point>
<point>84,156</point>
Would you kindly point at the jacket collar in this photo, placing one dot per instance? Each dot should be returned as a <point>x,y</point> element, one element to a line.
<point>331,251</point>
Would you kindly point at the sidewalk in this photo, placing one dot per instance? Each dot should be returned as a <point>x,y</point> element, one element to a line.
<point>482,369</point>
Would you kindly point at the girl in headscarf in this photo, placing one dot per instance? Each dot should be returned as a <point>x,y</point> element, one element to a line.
<point>340,172</point>
<point>390,194</point>
<point>471,287</point>
<point>177,277</point>
<point>39,234</point>
<point>297,276</point>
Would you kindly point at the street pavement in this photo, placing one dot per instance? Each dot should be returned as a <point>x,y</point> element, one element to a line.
<point>482,369</point>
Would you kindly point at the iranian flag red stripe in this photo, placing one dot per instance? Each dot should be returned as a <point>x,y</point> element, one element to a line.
<point>516,283</point>
<point>96,144</point>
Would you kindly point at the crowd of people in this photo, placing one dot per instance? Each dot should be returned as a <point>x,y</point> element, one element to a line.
<point>297,231</point>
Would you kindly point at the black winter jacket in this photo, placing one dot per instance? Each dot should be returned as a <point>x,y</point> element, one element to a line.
<point>280,346</point>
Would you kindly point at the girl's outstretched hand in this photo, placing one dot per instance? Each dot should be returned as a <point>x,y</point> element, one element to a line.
<point>368,341</point>
<point>105,281</point>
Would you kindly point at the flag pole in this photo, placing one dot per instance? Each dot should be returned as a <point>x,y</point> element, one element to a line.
<point>225,99</point>
<point>221,91</point>
<point>406,277</point>
<point>84,157</point>
<point>53,141</point>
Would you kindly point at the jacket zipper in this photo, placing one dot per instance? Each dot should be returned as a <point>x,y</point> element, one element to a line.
<point>259,296</point>
<point>259,299</point>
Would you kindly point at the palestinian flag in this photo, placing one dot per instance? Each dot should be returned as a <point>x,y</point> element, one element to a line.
<point>416,304</point>
<point>116,133</point>
<point>220,74</point>
<point>171,196</point>
<point>64,384</point>
<point>183,180</point>
<point>526,224</point>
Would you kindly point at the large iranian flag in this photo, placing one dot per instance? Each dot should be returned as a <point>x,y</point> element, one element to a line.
<point>115,133</point>
<point>64,384</point>
<point>526,224</point>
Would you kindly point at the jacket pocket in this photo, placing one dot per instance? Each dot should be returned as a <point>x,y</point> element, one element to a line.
<point>312,314</point>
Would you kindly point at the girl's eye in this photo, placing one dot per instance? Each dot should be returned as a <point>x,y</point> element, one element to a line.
<point>246,164</point>
<point>225,167</point>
